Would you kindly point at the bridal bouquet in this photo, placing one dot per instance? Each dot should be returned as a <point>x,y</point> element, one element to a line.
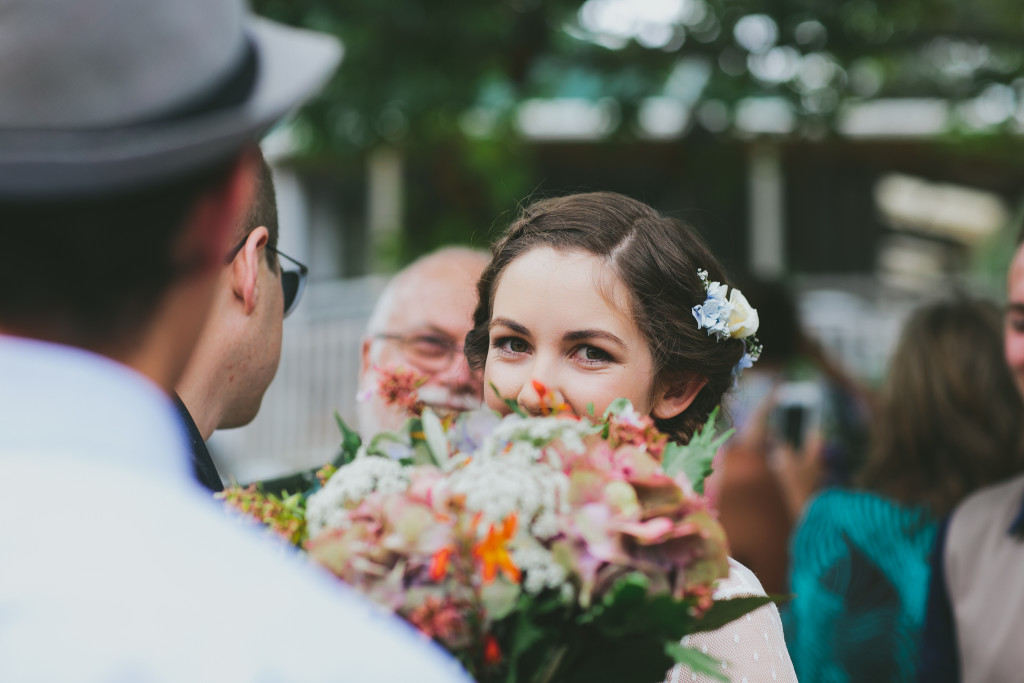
<point>553,548</point>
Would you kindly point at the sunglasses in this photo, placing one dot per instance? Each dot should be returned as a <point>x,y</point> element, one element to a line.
<point>293,281</point>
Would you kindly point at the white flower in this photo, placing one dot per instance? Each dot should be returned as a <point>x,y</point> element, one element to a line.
<point>533,434</point>
<point>539,568</point>
<point>743,320</point>
<point>500,486</point>
<point>350,485</point>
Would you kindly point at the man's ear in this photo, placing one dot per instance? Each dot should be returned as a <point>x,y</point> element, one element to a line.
<point>677,396</point>
<point>245,268</point>
<point>364,356</point>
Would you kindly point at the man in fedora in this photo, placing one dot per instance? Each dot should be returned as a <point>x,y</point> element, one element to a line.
<point>126,157</point>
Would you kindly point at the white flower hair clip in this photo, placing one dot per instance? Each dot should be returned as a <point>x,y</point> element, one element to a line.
<point>729,318</point>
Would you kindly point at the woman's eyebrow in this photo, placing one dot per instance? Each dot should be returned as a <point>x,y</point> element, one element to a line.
<point>577,335</point>
<point>510,324</point>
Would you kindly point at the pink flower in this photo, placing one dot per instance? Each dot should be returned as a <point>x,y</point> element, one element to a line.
<point>633,429</point>
<point>398,386</point>
<point>445,619</point>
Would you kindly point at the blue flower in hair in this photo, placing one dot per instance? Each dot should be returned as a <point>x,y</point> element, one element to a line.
<point>713,315</point>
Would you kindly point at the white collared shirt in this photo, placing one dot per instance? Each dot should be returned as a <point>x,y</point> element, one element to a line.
<point>116,566</point>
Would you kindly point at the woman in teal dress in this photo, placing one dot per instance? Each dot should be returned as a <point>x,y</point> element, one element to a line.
<point>949,423</point>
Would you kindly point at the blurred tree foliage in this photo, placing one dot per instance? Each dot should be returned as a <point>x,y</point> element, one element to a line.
<point>441,79</point>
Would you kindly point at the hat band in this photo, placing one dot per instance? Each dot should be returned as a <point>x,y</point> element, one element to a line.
<point>229,91</point>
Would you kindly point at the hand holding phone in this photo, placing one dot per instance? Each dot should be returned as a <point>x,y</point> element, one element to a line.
<point>797,412</point>
<point>797,457</point>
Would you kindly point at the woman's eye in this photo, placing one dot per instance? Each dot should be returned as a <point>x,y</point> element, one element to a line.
<point>592,354</point>
<point>513,344</point>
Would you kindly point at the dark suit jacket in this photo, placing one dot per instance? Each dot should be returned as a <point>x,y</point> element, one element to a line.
<point>202,464</point>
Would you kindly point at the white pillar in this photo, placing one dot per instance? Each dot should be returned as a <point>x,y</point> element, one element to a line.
<point>384,205</point>
<point>767,218</point>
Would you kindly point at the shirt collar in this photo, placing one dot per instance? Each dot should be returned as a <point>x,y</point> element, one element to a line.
<point>56,398</point>
<point>1017,527</point>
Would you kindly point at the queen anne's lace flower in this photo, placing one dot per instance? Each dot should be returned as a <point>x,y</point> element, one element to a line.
<point>499,487</point>
<point>539,568</point>
<point>539,439</point>
<point>352,483</point>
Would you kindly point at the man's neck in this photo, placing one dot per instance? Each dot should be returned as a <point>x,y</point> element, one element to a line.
<point>201,404</point>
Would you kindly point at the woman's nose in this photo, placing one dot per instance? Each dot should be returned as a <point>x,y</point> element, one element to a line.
<point>540,397</point>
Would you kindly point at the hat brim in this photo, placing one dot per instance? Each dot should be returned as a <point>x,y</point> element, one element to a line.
<point>293,65</point>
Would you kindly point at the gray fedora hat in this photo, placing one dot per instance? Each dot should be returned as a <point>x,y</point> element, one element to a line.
<point>105,95</point>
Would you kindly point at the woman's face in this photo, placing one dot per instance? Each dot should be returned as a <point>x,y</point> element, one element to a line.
<point>562,319</point>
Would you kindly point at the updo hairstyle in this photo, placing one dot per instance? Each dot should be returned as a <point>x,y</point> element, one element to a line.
<point>657,258</point>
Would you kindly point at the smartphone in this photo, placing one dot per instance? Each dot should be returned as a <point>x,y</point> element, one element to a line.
<point>797,412</point>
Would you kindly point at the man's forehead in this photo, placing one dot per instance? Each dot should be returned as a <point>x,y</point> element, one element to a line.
<point>438,300</point>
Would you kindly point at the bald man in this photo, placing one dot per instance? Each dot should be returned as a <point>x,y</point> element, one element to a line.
<point>420,322</point>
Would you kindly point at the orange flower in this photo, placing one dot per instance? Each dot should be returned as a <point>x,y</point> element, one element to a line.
<point>550,403</point>
<point>493,551</point>
<point>439,564</point>
<point>492,653</point>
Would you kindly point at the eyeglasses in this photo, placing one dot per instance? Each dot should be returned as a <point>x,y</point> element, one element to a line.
<point>430,353</point>
<point>293,281</point>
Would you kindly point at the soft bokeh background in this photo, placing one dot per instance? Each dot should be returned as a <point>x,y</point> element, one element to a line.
<point>867,152</point>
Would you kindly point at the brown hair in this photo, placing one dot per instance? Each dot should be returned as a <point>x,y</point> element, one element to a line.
<point>657,258</point>
<point>950,418</point>
<point>262,209</point>
<point>91,269</point>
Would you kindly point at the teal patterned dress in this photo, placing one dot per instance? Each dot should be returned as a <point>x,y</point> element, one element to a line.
<point>859,572</point>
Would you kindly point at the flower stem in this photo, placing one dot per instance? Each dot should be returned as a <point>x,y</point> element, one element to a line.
<point>553,663</point>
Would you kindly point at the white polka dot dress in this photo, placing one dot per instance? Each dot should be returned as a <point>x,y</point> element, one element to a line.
<point>751,649</point>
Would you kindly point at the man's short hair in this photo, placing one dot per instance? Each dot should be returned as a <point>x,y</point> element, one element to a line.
<point>88,270</point>
<point>262,210</point>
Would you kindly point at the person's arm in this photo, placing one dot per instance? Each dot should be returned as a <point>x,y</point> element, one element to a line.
<point>940,659</point>
<point>800,472</point>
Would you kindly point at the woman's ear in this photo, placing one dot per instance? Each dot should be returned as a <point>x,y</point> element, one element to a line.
<point>677,396</point>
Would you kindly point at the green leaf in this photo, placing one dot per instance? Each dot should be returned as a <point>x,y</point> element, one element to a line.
<point>617,406</point>
<point>350,442</point>
<point>694,459</point>
<point>729,609</point>
<point>512,404</point>
<point>378,444</point>
<point>532,632</point>
<point>590,409</point>
<point>696,661</point>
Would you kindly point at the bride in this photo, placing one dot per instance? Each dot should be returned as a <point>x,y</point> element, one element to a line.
<point>596,297</point>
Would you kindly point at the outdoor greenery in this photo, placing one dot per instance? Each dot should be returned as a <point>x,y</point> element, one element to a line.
<point>443,80</point>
